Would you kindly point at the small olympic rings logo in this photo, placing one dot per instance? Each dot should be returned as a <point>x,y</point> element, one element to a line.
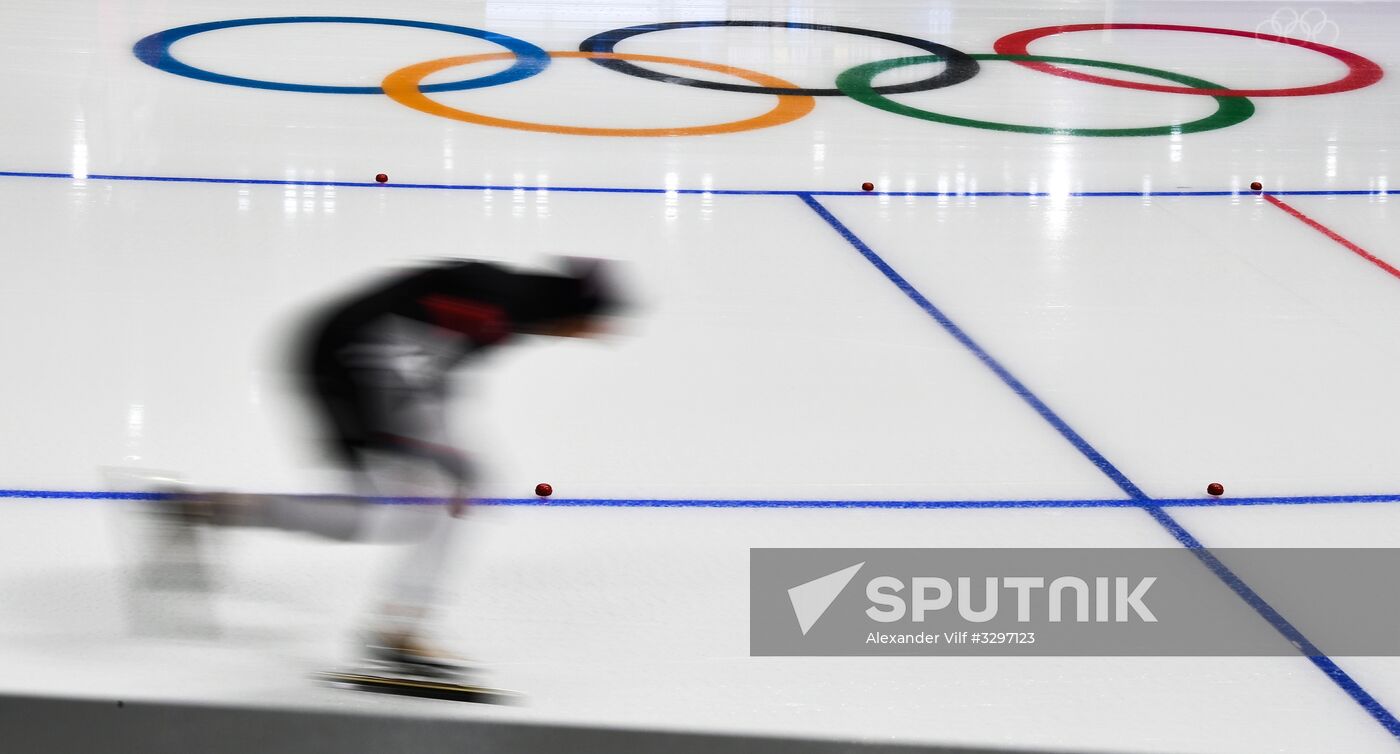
<point>404,85</point>
<point>1312,25</point>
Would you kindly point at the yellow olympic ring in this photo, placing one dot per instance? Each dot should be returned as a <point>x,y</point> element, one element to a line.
<point>402,86</point>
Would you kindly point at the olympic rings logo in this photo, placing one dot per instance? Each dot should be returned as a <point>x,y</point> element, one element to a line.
<point>404,85</point>
<point>1312,25</point>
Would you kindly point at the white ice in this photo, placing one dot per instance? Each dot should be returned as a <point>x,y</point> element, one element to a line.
<point>1187,338</point>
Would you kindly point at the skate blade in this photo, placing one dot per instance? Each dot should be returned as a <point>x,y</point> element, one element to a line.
<point>440,671</point>
<point>423,688</point>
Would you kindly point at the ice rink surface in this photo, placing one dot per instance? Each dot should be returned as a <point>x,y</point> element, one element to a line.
<point>1018,339</point>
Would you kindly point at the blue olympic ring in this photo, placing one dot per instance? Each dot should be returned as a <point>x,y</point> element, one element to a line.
<point>154,51</point>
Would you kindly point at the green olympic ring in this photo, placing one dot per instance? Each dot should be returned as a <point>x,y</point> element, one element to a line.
<point>858,84</point>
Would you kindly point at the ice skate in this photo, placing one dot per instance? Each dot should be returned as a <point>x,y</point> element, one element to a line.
<point>426,688</point>
<point>405,655</point>
<point>405,667</point>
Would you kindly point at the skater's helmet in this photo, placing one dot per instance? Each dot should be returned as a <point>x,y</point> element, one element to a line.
<point>585,288</point>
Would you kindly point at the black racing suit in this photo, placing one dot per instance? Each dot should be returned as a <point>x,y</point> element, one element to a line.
<point>379,362</point>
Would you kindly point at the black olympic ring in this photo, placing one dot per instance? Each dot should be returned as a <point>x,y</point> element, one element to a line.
<point>959,65</point>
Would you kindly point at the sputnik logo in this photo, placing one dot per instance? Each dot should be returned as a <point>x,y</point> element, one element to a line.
<point>810,600</point>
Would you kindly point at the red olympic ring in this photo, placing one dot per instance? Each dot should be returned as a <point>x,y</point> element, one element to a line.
<point>1360,71</point>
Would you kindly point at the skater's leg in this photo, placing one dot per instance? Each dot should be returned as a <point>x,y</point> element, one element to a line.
<point>338,518</point>
<point>368,518</point>
<point>385,398</point>
<point>412,587</point>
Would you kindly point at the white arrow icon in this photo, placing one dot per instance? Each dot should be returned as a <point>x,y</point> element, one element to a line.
<point>810,600</point>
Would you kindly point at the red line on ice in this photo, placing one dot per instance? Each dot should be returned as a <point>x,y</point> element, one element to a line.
<point>1335,236</point>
